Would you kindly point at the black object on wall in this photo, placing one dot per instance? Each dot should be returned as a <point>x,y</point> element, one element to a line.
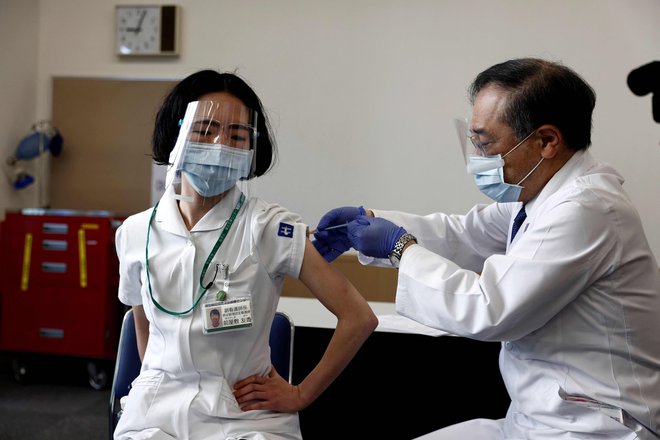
<point>644,80</point>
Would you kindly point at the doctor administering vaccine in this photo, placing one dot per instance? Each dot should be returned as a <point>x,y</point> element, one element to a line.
<point>558,268</point>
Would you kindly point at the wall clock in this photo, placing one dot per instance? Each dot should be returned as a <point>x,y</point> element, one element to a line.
<point>146,30</point>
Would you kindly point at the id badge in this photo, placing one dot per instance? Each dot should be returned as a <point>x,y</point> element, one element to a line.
<point>233,314</point>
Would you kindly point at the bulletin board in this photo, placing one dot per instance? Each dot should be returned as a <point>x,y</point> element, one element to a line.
<point>106,125</point>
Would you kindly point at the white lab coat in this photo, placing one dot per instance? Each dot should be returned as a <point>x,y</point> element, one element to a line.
<point>575,300</point>
<point>184,390</point>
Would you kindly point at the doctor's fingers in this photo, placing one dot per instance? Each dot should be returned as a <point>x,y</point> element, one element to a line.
<point>335,241</point>
<point>326,251</point>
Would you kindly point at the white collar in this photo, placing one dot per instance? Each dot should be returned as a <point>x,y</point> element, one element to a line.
<point>169,217</point>
<point>573,168</point>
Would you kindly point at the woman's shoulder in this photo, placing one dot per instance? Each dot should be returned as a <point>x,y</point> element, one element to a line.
<point>273,222</point>
<point>278,237</point>
<point>264,211</point>
<point>140,218</point>
<point>135,223</point>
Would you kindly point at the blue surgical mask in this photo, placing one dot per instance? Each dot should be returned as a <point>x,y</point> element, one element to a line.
<point>213,169</point>
<point>488,173</point>
<point>489,176</point>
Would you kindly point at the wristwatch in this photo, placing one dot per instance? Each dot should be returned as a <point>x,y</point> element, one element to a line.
<point>395,255</point>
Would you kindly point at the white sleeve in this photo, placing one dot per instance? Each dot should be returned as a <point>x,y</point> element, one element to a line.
<point>130,270</point>
<point>467,239</point>
<point>560,253</point>
<point>280,238</point>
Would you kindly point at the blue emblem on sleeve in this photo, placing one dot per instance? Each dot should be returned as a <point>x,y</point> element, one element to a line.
<point>285,230</point>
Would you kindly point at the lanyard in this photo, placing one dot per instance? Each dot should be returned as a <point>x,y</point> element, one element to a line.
<point>221,238</point>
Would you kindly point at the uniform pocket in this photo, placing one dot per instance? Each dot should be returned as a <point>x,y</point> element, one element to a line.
<point>140,401</point>
<point>216,399</point>
<point>596,417</point>
<point>142,396</point>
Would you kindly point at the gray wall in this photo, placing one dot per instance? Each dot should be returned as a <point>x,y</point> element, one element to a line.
<point>361,92</point>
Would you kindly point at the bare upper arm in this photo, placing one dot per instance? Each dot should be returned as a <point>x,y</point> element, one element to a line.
<point>327,283</point>
<point>141,329</point>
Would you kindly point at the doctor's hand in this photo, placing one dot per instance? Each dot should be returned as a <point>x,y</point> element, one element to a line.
<point>330,237</point>
<point>374,236</point>
<point>271,392</point>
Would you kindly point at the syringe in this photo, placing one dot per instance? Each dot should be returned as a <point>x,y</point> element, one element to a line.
<point>343,225</point>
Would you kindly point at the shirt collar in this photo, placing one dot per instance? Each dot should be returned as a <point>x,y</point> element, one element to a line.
<point>169,217</point>
<point>573,168</point>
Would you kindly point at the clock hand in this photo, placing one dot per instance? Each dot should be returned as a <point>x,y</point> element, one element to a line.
<point>139,25</point>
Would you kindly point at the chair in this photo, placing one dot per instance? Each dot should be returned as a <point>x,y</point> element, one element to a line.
<point>127,367</point>
<point>128,363</point>
<point>281,345</point>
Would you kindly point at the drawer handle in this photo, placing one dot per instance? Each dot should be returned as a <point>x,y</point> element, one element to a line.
<point>52,333</point>
<point>55,228</point>
<point>53,267</point>
<point>54,245</point>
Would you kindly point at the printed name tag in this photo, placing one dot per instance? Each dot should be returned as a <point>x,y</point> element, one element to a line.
<point>234,314</point>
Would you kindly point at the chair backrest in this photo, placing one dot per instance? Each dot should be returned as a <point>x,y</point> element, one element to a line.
<point>281,345</point>
<point>128,363</point>
<point>127,367</point>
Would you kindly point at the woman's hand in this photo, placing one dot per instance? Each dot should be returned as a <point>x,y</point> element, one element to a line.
<point>271,392</point>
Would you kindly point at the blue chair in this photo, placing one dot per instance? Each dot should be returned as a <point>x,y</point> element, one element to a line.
<point>281,345</point>
<point>127,367</point>
<point>128,363</point>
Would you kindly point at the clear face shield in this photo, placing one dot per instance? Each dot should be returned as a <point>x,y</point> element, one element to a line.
<point>211,164</point>
<point>215,153</point>
<point>474,153</point>
<point>488,169</point>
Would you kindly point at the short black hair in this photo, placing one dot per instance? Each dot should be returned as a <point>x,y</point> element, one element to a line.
<point>214,312</point>
<point>190,89</point>
<point>542,92</point>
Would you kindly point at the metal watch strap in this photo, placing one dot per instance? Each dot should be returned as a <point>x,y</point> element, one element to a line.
<point>395,255</point>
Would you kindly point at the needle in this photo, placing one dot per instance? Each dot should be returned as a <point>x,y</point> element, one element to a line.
<point>343,225</point>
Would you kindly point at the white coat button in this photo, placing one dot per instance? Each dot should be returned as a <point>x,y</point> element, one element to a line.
<point>508,345</point>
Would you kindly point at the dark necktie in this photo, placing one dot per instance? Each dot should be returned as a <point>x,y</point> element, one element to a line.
<point>520,218</point>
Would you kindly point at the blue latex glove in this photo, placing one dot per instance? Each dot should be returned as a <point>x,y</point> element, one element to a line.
<point>334,242</point>
<point>374,236</point>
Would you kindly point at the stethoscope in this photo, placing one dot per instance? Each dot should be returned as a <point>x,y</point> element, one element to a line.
<point>205,287</point>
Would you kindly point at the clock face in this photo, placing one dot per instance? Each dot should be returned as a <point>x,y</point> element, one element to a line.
<point>138,30</point>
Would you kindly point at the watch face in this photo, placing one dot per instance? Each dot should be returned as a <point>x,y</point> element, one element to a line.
<point>138,30</point>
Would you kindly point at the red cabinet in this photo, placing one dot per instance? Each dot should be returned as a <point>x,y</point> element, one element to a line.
<point>58,290</point>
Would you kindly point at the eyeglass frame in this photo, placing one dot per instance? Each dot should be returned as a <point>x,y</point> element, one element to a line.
<point>481,145</point>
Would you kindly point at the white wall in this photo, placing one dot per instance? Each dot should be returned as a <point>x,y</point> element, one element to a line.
<point>361,92</point>
<point>19,47</point>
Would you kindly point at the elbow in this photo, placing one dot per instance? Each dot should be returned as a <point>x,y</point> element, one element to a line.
<point>366,326</point>
<point>362,322</point>
<point>374,322</point>
<point>370,322</point>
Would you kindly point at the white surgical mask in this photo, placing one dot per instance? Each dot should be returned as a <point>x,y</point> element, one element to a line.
<point>213,169</point>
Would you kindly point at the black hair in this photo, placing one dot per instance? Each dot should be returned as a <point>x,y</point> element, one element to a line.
<point>190,89</point>
<point>542,92</point>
